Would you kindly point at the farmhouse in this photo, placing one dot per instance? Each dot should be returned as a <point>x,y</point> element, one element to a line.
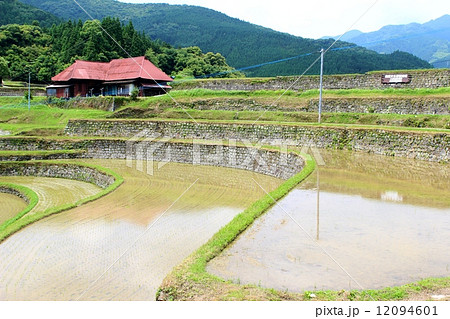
<point>116,78</point>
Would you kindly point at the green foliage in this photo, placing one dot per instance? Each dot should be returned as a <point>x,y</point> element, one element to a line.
<point>13,11</point>
<point>27,48</point>
<point>44,53</point>
<point>134,94</point>
<point>4,69</point>
<point>25,95</point>
<point>190,62</point>
<point>243,44</point>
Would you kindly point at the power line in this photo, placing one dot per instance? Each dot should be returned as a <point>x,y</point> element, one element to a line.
<point>352,46</point>
<point>133,59</point>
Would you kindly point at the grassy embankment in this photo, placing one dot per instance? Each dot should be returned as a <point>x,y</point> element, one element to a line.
<point>41,119</point>
<point>184,104</point>
<point>190,281</point>
<point>28,194</point>
<point>18,223</point>
<point>50,120</point>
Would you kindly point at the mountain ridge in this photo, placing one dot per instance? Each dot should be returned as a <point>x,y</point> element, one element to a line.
<point>13,11</point>
<point>429,41</point>
<point>242,43</point>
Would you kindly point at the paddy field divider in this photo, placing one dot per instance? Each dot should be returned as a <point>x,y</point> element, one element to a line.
<point>22,219</point>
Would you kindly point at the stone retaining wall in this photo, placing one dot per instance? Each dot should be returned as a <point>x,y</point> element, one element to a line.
<point>21,92</point>
<point>411,144</point>
<point>38,157</point>
<point>13,191</point>
<point>280,164</point>
<point>419,79</point>
<point>69,171</point>
<point>12,143</point>
<point>417,105</point>
<point>400,105</point>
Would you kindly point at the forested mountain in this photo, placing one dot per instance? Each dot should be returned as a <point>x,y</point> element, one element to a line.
<point>429,41</point>
<point>13,11</point>
<point>46,52</point>
<point>243,44</point>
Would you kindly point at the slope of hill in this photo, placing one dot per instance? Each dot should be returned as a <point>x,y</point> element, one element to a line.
<point>13,11</point>
<point>243,44</point>
<point>429,41</point>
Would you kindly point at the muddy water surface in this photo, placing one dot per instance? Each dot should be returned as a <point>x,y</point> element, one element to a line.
<point>53,192</point>
<point>381,222</point>
<point>121,246</point>
<point>10,206</point>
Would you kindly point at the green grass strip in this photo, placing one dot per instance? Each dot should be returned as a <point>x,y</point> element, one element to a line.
<point>376,92</point>
<point>29,219</point>
<point>385,294</point>
<point>194,267</point>
<point>190,280</point>
<point>27,193</point>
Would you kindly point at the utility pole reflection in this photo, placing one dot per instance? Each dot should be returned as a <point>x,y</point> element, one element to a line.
<point>318,201</point>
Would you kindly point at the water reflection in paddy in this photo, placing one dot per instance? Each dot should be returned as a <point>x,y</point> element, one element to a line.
<point>386,221</point>
<point>121,246</point>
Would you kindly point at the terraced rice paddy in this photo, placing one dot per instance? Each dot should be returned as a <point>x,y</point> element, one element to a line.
<point>121,246</point>
<point>53,192</point>
<point>11,205</point>
<point>385,221</point>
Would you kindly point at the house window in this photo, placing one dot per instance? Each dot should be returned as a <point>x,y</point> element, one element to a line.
<point>123,90</point>
<point>51,92</point>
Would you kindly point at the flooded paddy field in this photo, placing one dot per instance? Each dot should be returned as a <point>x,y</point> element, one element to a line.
<point>53,192</point>
<point>121,246</point>
<point>380,222</point>
<point>11,205</point>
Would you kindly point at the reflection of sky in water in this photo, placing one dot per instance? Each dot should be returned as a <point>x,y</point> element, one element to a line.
<point>69,258</point>
<point>59,257</point>
<point>384,226</point>
<point>392,196</point>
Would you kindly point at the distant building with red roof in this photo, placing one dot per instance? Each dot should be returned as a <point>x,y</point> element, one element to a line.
<point>116,78</point>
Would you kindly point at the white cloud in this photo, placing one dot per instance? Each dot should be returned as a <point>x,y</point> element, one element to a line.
<point>318,18</point>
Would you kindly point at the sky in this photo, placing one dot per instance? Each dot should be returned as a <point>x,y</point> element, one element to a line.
<point>318,18</point>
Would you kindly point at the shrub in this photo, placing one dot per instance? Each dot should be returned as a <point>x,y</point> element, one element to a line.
<point>134,94</point>
<point>25,95</point>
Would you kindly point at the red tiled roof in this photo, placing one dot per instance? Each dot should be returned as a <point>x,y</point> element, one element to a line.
<point>116,70</point>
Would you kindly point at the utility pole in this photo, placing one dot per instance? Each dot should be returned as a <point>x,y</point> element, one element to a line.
<point>29,90</point>
<point>322,52</point>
